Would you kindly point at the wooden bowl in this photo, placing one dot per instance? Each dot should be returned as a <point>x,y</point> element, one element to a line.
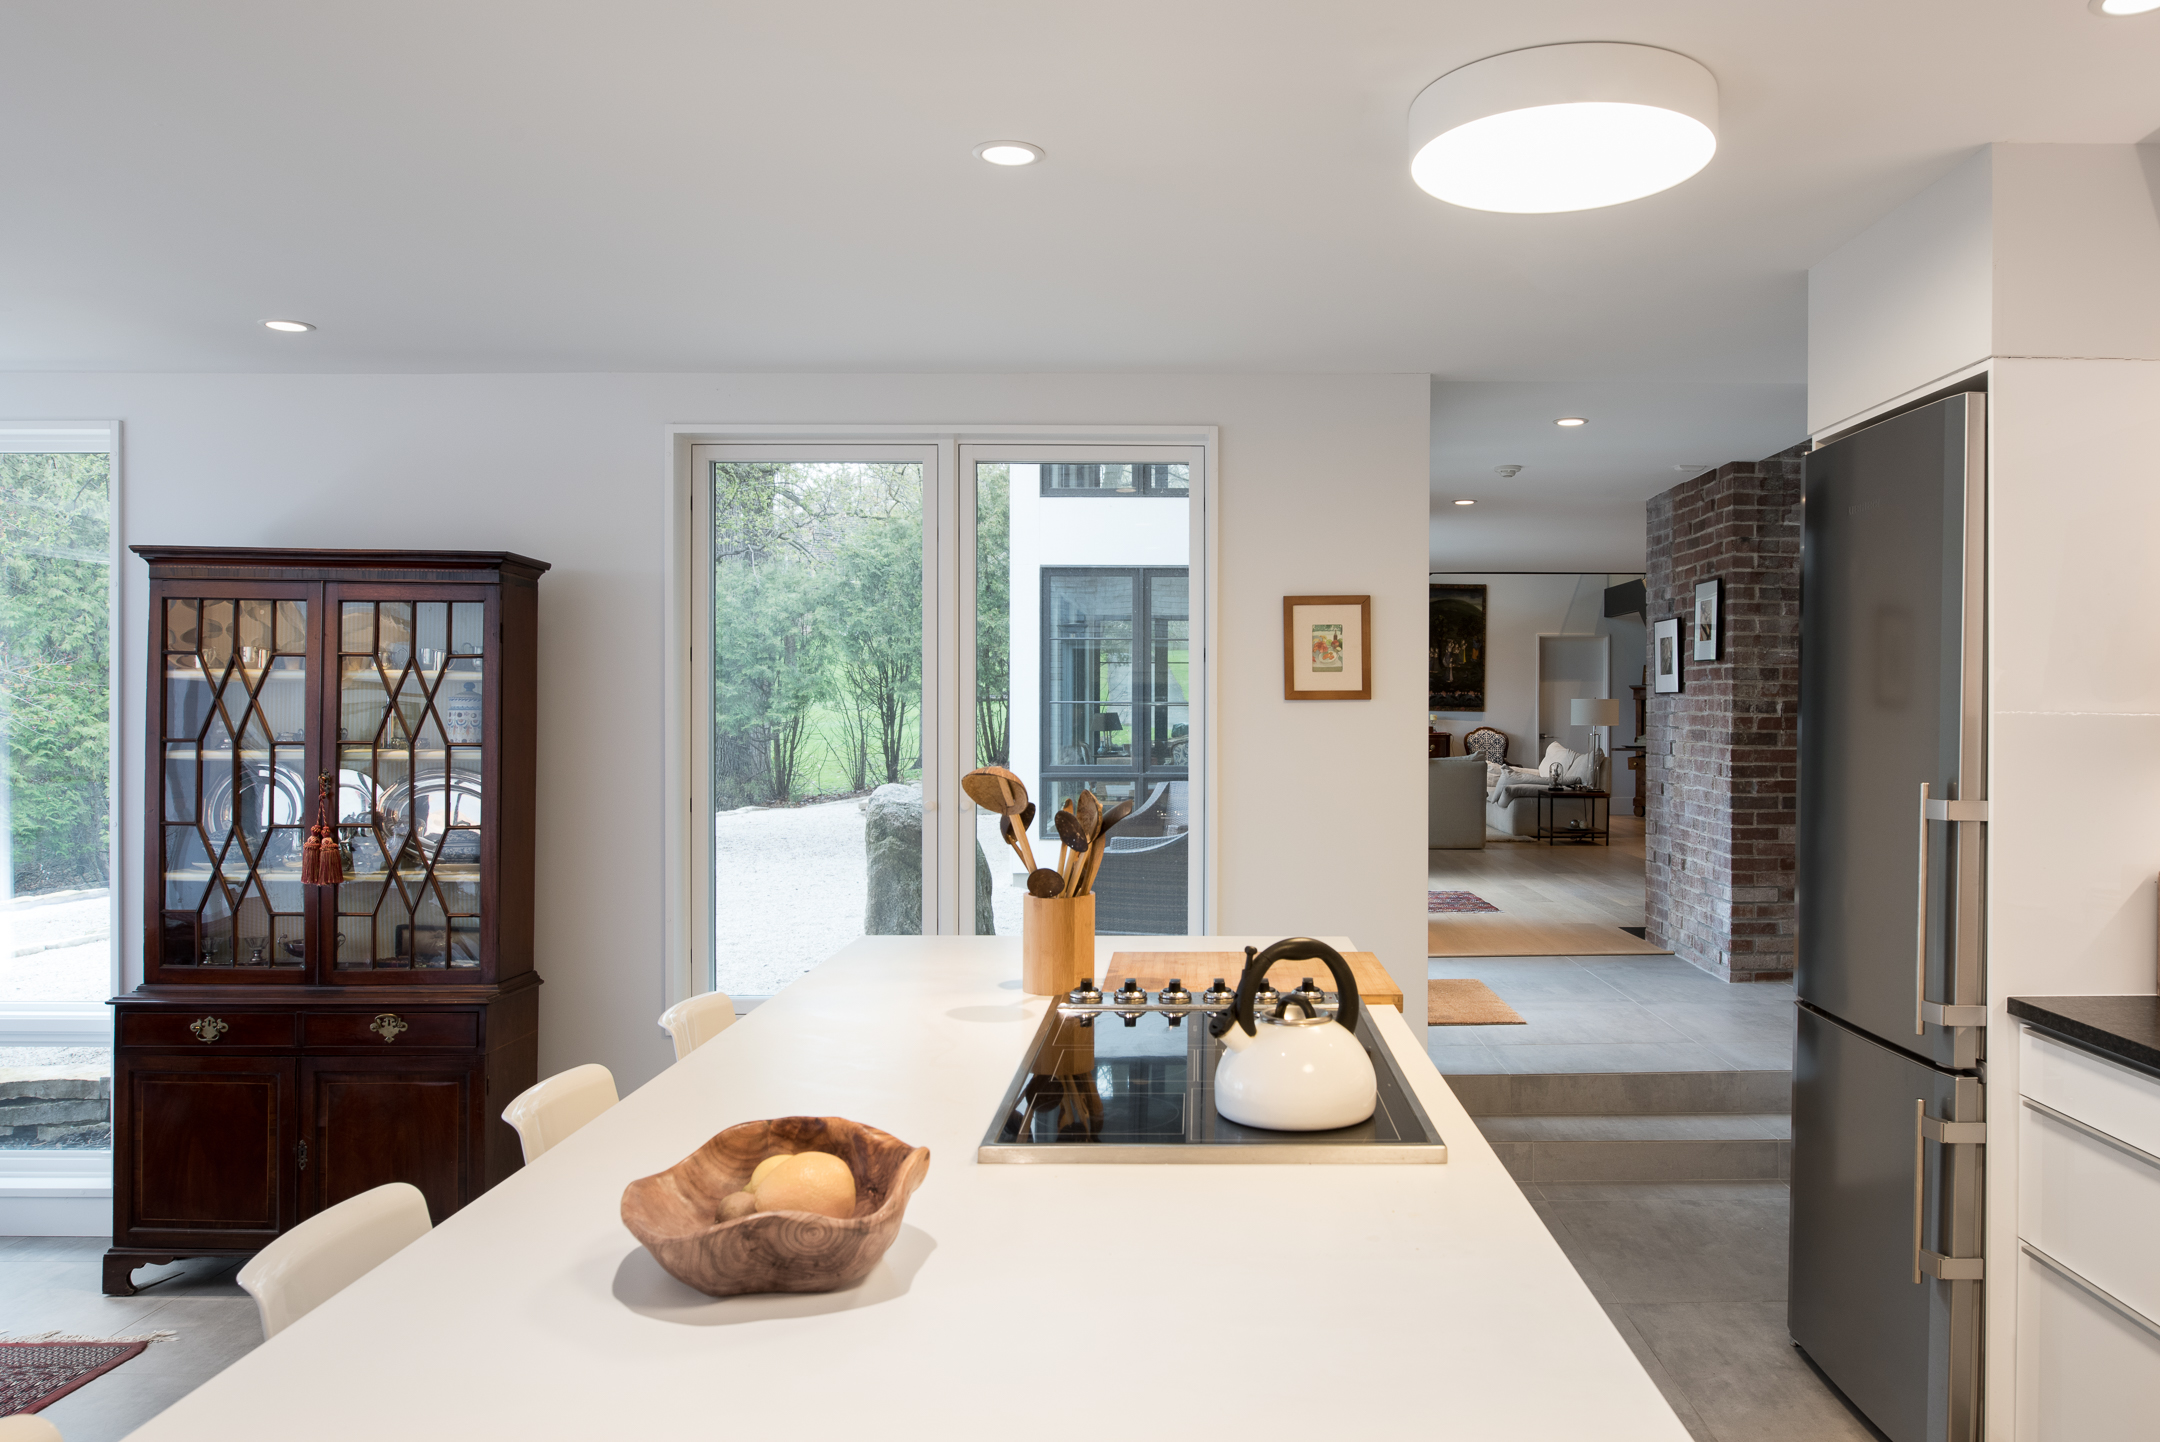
<point>675,1214</point>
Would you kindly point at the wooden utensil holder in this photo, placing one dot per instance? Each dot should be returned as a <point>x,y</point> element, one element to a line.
<point>1057,943</point>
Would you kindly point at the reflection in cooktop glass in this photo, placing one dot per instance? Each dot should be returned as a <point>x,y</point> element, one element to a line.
<point>1110,1086</point>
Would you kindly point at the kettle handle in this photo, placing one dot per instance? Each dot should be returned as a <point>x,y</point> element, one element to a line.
<point>1294,948</point>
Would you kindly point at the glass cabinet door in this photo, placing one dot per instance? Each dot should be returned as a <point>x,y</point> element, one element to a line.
<point>412,681</point>
<point>235,804</point>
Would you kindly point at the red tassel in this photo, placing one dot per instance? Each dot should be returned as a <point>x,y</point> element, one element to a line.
<point>321,862</point>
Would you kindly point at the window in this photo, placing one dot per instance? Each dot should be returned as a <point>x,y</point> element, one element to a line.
<point>56,789</point>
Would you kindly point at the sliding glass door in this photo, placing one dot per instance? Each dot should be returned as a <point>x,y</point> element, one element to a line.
<point>1084,673</point>
<point>819,692</point>
<point>874,621</point>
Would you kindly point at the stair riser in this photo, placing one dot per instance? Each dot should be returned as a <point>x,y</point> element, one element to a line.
<point>1636,1161</point>
<point>1623,1093</point>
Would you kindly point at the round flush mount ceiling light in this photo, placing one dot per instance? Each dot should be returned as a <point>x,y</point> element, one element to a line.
<point>293,327</point>
<point>1565,127</point>
<point>1008,152</point>
<point>1571,421</point>
<point>2116,9</point>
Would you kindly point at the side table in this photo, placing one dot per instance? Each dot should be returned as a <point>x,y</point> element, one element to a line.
<point>1548,816</point>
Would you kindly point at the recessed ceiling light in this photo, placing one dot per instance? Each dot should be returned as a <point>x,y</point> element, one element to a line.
<point>1571,421</point>
<point>1008,152</point>
<point>1565,127</point>
<point>1694,468</point>
<point>288,325</point>
<point>2115,9</point>
<point>1466,503</point>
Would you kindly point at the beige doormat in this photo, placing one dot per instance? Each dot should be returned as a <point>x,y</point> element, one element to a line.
<point>1466,1001</point>
<point>1510,934</point>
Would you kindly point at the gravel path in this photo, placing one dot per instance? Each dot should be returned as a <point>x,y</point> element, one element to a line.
<point>790,890</point>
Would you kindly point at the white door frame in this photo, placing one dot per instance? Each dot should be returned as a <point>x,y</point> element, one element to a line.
<point>1537,710</point>
<point>686,723</point>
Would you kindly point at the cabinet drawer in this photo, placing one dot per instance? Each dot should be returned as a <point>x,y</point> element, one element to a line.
<point>390,1028</point>
<point>212,1027</point>
<point>2090,1205</point>
<point>2085,1372</point>
<point>2119,1101</point>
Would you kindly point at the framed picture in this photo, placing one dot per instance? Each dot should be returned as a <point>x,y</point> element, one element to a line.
<point>1455,633</point>
<point>1708,596</point>
<point>1327,648</point>
<point>1665,655</point>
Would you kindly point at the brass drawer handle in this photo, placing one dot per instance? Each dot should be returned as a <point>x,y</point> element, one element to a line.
<point>208,1028</point>
<point>387,1026</point>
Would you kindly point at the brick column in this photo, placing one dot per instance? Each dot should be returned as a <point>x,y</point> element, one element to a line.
<point>1721,773</point>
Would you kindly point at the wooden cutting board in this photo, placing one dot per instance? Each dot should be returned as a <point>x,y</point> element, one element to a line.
<point>1197,968</point>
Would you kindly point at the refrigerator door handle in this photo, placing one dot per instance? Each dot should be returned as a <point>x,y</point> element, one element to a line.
<point>1919,978</point>
<point>1925,1011</point>
<point>1925,1129</point>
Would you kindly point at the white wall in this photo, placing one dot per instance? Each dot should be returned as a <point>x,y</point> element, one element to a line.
<point>1904,303</point>
<point>2070,328</point>
<point>570,468</point>
<point>1519,607</point>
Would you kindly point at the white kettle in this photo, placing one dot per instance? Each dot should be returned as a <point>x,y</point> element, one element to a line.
<point>1293,1073</point>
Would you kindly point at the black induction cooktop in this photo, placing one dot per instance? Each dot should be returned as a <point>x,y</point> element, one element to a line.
<point>1093,1089</point>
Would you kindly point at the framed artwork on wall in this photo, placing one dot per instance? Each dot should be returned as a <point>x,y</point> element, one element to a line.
<point>1327,648</point>
<point>1709,608</point>
<point>1455,634</point>
<point>1665,655</point>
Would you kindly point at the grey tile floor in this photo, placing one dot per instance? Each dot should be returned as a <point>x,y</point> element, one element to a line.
<point>1615,1014</point>
<point>51,1284</point>
<point>1693,1275</point>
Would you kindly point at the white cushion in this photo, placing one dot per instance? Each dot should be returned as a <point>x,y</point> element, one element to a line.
<point>1575,766</point>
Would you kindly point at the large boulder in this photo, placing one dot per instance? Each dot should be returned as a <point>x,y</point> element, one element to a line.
<point>892,837</point>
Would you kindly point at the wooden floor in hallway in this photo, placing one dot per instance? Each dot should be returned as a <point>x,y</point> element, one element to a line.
<point>1572,899</point>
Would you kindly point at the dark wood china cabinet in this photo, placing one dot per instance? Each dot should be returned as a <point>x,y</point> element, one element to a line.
<point>293,1044</point>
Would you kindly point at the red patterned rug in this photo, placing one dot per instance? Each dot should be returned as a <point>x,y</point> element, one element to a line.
<point>1437,902</point>
<point>34,1375</point>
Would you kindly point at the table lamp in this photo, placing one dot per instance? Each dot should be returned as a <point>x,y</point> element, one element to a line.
<point>1594,712</point>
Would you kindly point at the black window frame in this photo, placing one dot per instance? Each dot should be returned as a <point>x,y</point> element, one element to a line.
<point>1137,767</point>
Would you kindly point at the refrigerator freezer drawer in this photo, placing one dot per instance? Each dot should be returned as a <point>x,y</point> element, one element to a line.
<point>2088,1200</point>
<point>2117,1100</point>
<point>1876,1189</point>
<point>2085,1371</point>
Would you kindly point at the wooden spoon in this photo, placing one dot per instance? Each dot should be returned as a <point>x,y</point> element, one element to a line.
<point>1006,828</point>
<point>995,789</point>
<point>1101,846</point>
<point>1074,839</point>
<point>1088,812</point>
<point>1045,883</point>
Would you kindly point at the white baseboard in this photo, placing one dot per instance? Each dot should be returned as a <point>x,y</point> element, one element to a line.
<point>55,1216</point>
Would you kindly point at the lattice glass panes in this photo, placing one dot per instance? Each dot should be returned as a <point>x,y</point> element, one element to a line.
<point>235,792</point>
<point>411,682</point>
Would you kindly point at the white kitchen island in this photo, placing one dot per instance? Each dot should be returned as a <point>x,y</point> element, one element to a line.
<point>1037,1302</point>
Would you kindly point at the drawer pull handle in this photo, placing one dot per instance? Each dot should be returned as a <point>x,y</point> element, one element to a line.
<point>2104,1138</point>
<point>208,1028</point>
<point>2099,1294</point>
<point>387,1026</point>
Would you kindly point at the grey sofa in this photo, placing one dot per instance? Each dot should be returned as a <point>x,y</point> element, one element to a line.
<point>1455,803</point>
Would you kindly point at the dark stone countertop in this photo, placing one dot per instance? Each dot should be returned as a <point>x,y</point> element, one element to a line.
<point>2124,1029</point>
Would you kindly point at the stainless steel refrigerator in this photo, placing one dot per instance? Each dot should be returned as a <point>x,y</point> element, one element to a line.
<point>1887,1071</point>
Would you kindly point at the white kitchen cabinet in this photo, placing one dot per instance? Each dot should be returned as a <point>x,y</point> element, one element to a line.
<point>2088,1308</point>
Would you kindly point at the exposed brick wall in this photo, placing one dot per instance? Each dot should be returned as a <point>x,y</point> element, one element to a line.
<point>1722,768</point>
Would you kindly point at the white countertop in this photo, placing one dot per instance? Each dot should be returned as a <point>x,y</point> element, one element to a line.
<point>1049,1301</point>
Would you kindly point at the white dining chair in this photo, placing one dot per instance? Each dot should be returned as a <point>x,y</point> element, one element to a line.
<point>698,1020</point>
<point>329,1252</point>
<point>549,1111</point>
<point>24,1427</point>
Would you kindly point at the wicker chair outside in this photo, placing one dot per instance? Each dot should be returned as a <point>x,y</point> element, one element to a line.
<point>1489,742</point>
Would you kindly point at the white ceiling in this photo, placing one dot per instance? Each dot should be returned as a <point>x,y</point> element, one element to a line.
<point>1577,504</point>
<point>710,184</point>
